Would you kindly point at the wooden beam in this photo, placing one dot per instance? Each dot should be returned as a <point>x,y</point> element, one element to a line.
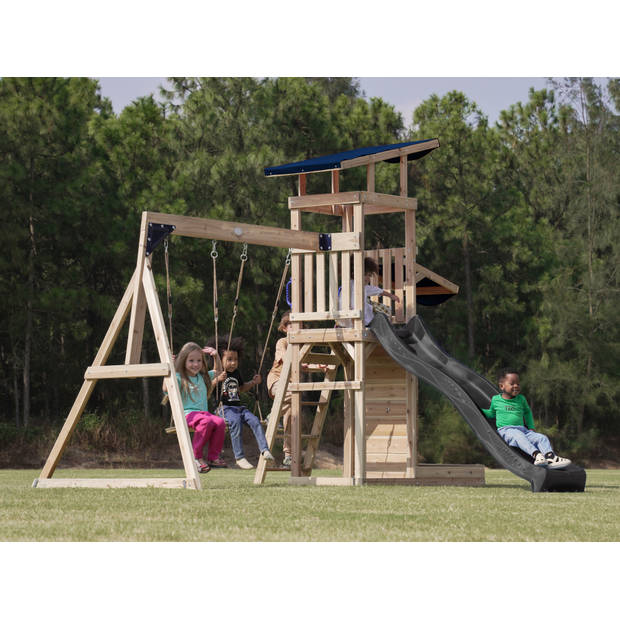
<point>204,228</point>
<point>340,242</point>
<point>403,175</point>
<point>433,290</point>
<point>331,335</point>
<point>138,305</point>
<point>423,272</point>
<point>326,316</point>
<point>132,371</point>
<point>114,483</point>
<point>401,203</point>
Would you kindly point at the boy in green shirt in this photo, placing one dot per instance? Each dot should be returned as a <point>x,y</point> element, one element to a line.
<point>515,422</point>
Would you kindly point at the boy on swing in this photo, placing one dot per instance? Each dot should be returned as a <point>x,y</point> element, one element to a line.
<point>229,385</point>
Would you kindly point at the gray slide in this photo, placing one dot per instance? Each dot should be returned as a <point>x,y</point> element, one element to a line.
<point>415,350</point>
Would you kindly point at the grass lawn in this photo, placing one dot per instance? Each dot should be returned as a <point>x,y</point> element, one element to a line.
<point>231,508</point>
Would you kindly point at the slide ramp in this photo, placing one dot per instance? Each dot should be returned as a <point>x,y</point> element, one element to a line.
<point>414,349</point>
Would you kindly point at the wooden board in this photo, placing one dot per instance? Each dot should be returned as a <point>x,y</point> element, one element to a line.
<point>114,483</point>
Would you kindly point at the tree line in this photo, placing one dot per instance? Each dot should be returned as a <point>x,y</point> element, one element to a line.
<point>523,215</point>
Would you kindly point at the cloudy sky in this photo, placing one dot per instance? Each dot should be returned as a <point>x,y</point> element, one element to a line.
<point>492,94</point>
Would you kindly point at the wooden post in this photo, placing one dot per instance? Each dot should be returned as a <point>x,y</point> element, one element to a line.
<point>370,177</point>
<point>296,306</point>
<point>138,306</point>
<point>403,176</point>
<point>172,386</point>
<point>410,311</point>
<point>360,358</point>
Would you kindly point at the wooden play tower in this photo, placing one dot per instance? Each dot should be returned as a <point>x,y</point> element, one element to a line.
<point>380,398</point>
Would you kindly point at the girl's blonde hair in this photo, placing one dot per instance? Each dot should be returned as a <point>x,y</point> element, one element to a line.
<point>179,366</point>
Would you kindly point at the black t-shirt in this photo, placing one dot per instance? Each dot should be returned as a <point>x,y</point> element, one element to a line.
<point>228,390</point>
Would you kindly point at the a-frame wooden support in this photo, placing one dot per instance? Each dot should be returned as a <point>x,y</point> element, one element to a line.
<point>139,296</point>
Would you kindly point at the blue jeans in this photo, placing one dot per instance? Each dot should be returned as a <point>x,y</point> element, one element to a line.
<point>525,439</point>
<point>235,416</point>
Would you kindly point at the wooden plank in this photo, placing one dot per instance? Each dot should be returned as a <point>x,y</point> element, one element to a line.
<point>385,257</point>
<point>384,461</point>
<point>368,199</point>
<point>389,373</point>
<point>320,282</point>
<point>324,385</point>
<point>403,175</point>
<point>423,272</point>
<point>204,228</point>
<point>340,242</point>
<point>432,290</point>
<point>410,254</point>
<point>448,471</point>
<point>395,467</point>
<point>79,404</point>
<point>127,371</point>
<point>308,283</point>
<point>324,200</point>
<point>399,288</point>
<point>322,481</point>
<point>138,303</point>
<point>333,282</point>
<point>325,316</point>
<point>328,335</point>
<point>275,414</point>
<point>391,445</point>
<point>320,358</point>
<point>370,176</point>
<point>379,428</point>
<point>114,483</point>
<point>296,454</point>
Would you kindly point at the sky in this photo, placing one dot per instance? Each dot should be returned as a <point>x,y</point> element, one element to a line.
<point>492,94</point>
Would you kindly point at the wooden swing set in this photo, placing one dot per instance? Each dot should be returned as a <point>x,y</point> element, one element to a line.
<point>380,398</point>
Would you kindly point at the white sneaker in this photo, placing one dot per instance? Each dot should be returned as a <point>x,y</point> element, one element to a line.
<point>244,464</point>
<point>267,455</point>
<point>557,462</point>
<point>540,460</point>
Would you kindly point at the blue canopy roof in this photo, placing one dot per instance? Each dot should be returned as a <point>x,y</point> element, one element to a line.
<point>335,161</point>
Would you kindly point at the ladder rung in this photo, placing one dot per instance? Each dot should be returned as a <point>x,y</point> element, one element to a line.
<point>314,403</point>
<point>280,434</point>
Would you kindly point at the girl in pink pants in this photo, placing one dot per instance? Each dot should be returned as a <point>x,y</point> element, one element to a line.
<point>207,428</point>
<point>195,386</point>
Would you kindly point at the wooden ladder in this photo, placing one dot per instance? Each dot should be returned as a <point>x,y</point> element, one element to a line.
<point>333,362</point>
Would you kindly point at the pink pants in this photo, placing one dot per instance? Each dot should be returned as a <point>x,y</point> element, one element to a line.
<point>207,428</point>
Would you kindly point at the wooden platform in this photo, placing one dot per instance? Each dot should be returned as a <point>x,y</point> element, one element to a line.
<point>426,475</point>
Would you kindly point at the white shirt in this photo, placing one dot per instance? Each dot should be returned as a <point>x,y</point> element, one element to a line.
<point>369,291</point>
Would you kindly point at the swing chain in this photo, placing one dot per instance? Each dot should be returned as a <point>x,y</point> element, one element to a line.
<point>244,253</point>
<point>213,249</point>
<point>288,258</point>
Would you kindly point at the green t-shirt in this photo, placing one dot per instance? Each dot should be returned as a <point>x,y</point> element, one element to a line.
<point>196,400</point>
<point>510,411</point>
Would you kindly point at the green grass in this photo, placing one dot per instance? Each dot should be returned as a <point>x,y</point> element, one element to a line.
<point>232,508</point>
